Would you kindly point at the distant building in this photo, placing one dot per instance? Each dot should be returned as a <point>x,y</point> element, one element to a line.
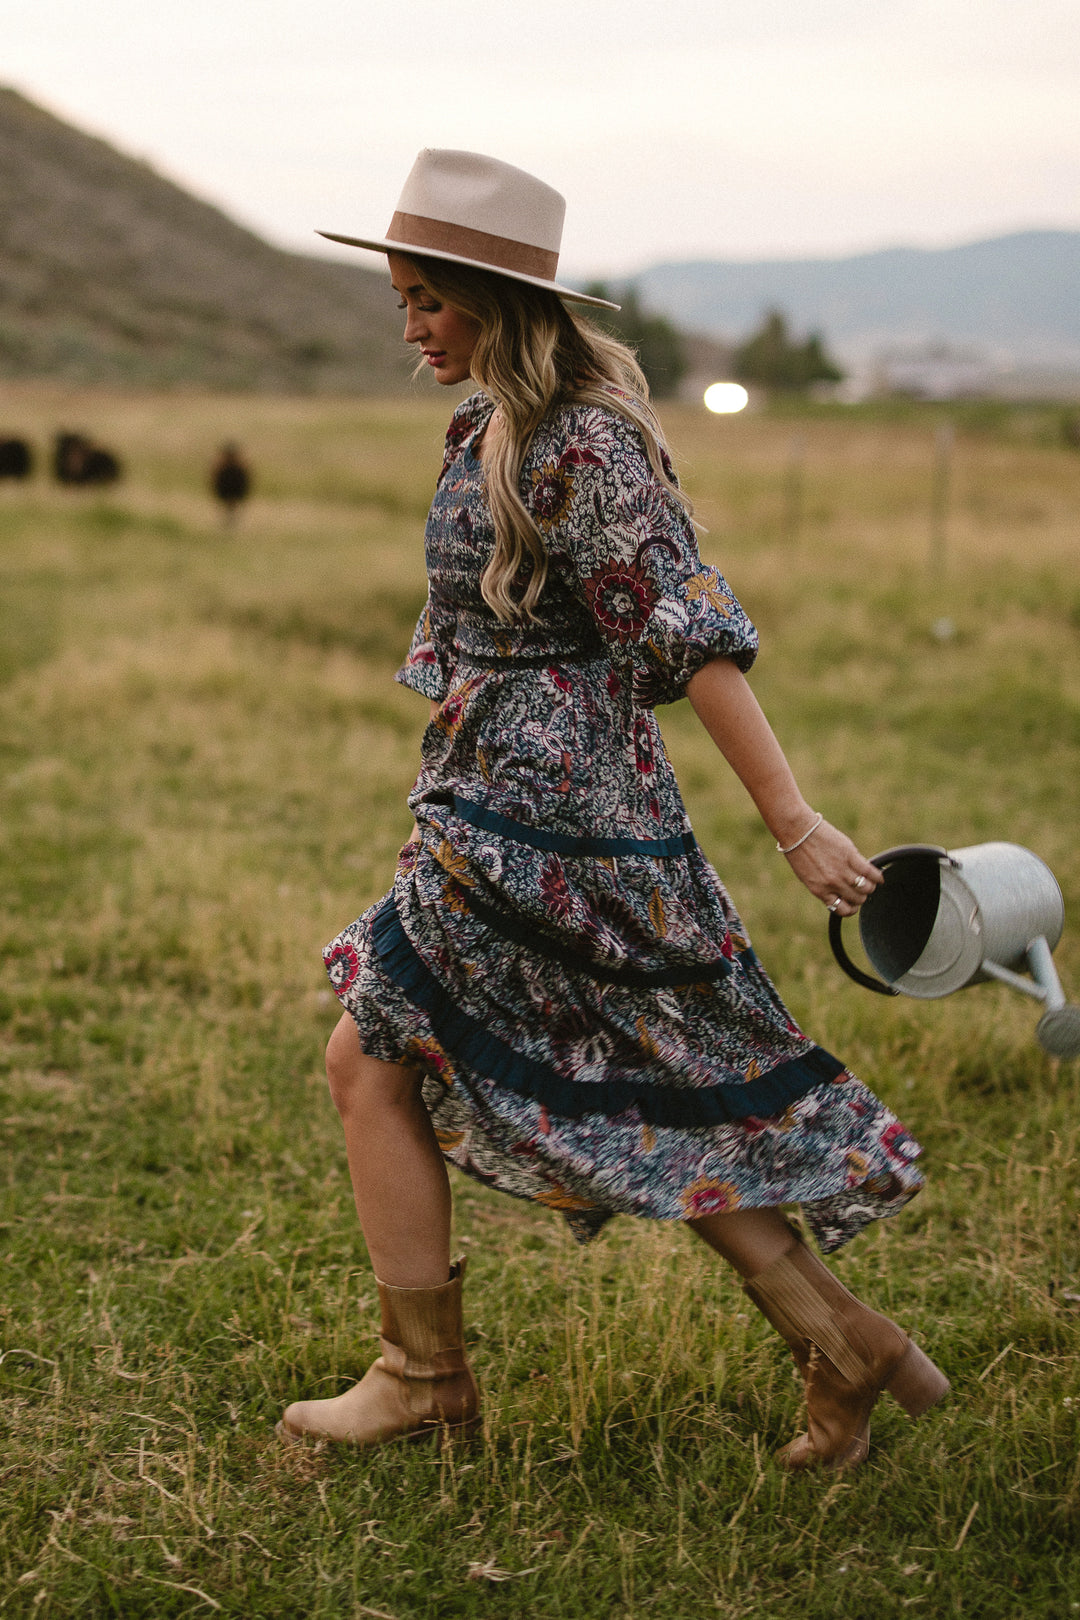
<point>934,371</point>
<point>941,371</point>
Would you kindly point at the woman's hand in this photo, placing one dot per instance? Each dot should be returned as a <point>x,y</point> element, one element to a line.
<point>833,870</point>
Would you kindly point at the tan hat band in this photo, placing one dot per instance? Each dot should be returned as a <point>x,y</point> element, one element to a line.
<point>500,252</point>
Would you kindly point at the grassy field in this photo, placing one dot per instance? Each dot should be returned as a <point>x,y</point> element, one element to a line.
<point>203,764</point>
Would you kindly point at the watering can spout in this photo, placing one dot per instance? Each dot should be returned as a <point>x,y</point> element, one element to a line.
<point>943,920</point>
<point>1058,1030</point>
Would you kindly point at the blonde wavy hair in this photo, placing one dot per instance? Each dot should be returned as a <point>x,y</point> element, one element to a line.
<point>534,354</point>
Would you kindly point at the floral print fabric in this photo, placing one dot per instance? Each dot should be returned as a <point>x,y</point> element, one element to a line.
<point>556,954</point>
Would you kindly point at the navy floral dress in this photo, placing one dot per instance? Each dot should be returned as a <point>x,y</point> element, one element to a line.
<point>556,955</point>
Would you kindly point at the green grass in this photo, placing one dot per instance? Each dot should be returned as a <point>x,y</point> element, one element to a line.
<point>203,764</point>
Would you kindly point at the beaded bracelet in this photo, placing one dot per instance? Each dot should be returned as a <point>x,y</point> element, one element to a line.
<point>812,828</point>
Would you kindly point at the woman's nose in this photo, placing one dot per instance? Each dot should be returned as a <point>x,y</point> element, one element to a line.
<point>415,326</point>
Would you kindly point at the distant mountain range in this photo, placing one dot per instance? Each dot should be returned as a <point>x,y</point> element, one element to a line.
<point>1015,298</point>
<point>110,273</point>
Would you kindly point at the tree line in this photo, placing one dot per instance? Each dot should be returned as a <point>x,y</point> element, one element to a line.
<point>772,357</point>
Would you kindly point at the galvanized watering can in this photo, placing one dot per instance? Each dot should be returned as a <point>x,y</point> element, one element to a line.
<point>944,919</point>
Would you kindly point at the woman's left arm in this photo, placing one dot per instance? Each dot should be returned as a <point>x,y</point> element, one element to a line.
<point>827,862</point>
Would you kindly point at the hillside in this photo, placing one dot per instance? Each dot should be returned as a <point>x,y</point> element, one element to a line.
<point>110,273</point>
<point>1017,296</point>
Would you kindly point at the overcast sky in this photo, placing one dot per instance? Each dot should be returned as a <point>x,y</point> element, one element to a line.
<point>676,128</point>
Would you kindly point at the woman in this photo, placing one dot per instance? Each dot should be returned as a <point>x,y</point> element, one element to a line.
<point>558,995</point>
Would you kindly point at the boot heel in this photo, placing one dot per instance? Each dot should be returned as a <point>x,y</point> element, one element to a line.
<point>917,1383</point>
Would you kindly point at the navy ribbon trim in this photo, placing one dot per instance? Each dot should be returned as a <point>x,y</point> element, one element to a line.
<point>469,1041</point>
<point>639,978</point>
<point>477,815</point>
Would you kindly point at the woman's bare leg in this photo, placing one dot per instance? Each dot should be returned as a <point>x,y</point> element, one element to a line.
<point>421,1383</point>
<point>399,1178</point>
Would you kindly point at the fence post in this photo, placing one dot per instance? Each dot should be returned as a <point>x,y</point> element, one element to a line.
<point>944,439</point>
<point>794,487</point>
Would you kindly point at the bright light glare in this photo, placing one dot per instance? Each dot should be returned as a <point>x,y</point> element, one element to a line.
<point>726,398</point>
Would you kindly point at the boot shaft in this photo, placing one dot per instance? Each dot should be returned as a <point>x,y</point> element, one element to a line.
<point>422,1329</point>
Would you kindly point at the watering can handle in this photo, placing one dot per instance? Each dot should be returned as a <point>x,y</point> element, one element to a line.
<point>902,852</point>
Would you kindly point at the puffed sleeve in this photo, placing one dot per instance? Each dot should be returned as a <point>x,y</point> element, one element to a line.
<point>426,668</point>
<point>636,558</point>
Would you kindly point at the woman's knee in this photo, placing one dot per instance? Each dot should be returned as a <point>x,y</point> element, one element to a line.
<point>358,1081</point>
<point>344,1059</point>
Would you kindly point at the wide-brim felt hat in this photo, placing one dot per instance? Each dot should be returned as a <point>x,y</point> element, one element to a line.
<point>475,210</point>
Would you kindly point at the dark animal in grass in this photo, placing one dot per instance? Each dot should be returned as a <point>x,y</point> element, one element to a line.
<point>16,458</point>
<point>230,480</point>
<point>77,460</point>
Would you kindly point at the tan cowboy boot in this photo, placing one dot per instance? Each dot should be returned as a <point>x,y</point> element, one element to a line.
<point>847,1355</point>
<point>421,1383</point>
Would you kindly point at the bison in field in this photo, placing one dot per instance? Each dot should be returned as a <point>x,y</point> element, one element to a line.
<point>230,480</point>
<point>16,458</point>
<point>77,460</point>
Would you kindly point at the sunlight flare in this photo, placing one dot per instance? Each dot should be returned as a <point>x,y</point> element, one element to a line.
<point>725,398</point>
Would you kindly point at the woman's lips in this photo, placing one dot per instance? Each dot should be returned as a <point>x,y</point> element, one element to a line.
<point>434,357</point>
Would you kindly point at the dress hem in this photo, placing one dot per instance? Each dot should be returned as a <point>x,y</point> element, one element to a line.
<point>465,1039</point>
